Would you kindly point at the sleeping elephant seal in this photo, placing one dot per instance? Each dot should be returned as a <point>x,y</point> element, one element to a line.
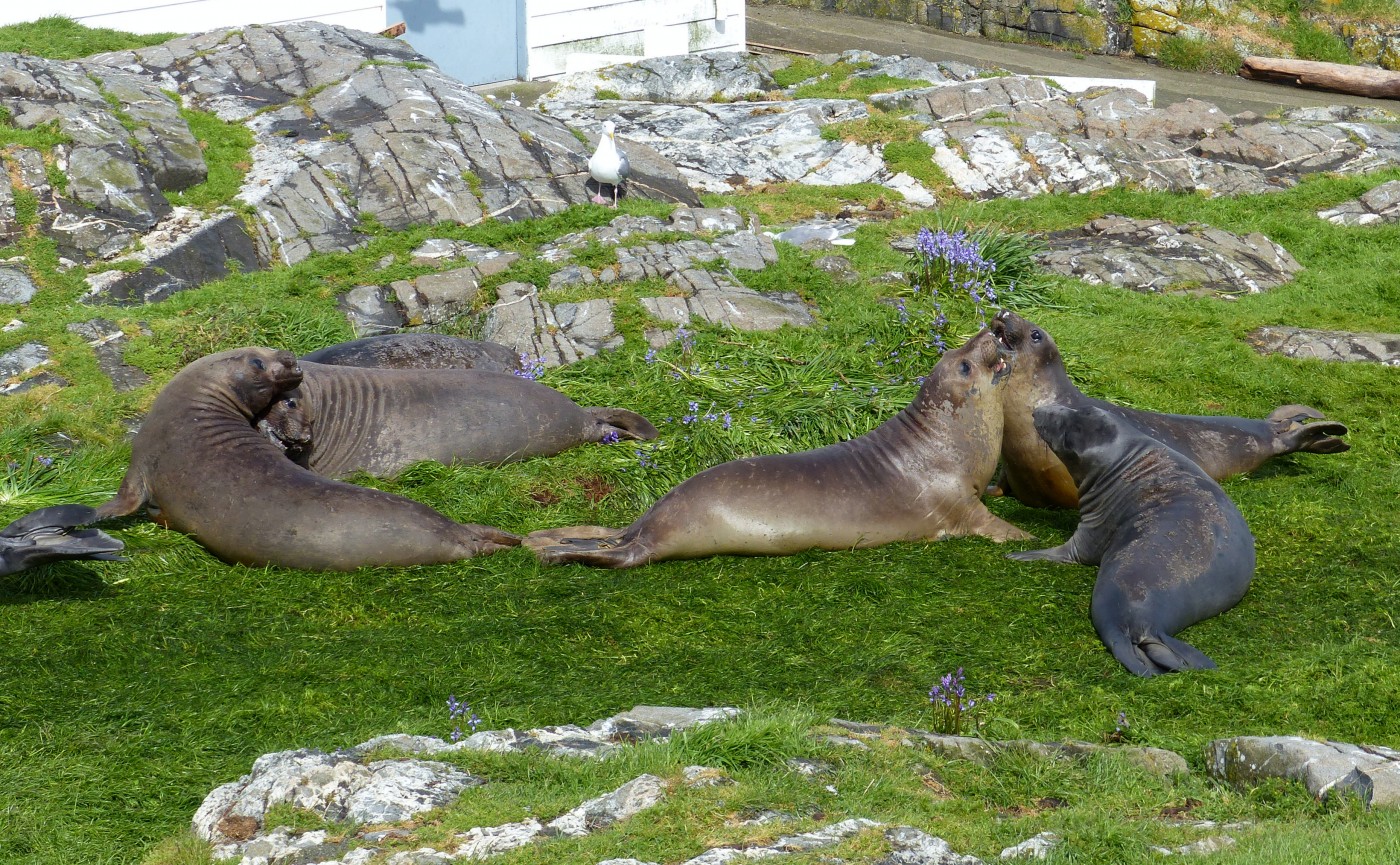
<point>918,476</point>
<point>201,468</point>
<point>1171,547</point>
<point>418,351</point>
<point>344,419</point>
<point>1223,446</point>
<point>52,534</point>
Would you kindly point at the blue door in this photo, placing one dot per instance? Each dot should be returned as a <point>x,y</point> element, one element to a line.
<point>474,41</point>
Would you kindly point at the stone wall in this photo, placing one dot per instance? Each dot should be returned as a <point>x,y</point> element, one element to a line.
<point>1087,25</point>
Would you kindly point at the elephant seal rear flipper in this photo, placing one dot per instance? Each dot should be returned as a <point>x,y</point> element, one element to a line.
<point>53,534</point>
<point>626,424</point>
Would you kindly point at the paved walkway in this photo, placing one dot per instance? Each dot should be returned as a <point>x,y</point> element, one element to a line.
<point>825,32</point>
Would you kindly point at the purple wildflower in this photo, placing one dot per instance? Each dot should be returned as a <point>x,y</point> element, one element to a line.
<point>611,437</point>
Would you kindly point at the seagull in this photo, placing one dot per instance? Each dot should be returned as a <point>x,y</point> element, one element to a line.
<point>608,164</point>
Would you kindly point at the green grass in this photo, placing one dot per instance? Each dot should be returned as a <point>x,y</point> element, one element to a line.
<point>1200,55</point>
<point>130,690</point>
<point>63,38</point>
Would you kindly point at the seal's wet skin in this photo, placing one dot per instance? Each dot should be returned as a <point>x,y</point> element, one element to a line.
<point>1171,547</point>
<point>53,534</point>
<point>918,476</point>
<point>201,467</point>
<point>418,351</point>
<point>345,419</point>
<point>1222,446</point>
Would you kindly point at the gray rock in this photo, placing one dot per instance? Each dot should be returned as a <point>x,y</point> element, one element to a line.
<point>1156,256</point>
<point>436,298</point>
<point>642,723</point>
<point>19,362</point>
<point>16,286</point>
<point>336,787</point>
<point>115,175</point>
<point>819,233</point>
<point>911,846</point>
<point>184,251</point>
<point>1037,847</point>
<point>717,300</point>
<point>1331,345</point>
<point>556,334</point>
<point>696,219</point>
<point>705,776</point>
<point>1203,847</point>
<point>1371,773</point>
<point>371,310</point>
<point>715,75</point>
<point>1380,204</point>
<point>481,842</point>
<point>107,341</point>
<point>805,842</point>
<point>632,798</point>
<point>840,268</point>
<point>283,845</point>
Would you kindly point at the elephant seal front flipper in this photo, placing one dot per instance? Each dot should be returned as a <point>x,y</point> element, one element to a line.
<point>1171,547</point>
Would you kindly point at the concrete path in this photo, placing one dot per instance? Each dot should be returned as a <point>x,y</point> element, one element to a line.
<point>825,32</point>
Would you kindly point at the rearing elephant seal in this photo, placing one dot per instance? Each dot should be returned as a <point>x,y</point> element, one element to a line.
<point>918,476</point>
<point>1223,446</point>
<point>345,419</point>
<point>202,468</point>
<point>1171,547</point>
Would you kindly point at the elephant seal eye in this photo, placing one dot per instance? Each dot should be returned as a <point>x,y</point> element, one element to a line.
<point>257,363</point>
<point>1035,336</point>
<point>966,368</point>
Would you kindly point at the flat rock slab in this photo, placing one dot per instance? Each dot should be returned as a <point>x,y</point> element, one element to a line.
<point>1333,345</point>
<point>1370,772</point>
<point>16,286</point>
<point>1158,257</point>
<point>184,250</point>
<point>714,75</point>
<point>1381,204</point>
<point>17,363</point>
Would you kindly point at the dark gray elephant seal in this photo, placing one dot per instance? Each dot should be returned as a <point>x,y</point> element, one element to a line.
<point>918,476</point>
<point>1223,446</point>
<point>418,351</point>
<point>343,419</point>
<point>52,534</point>
<point>201,468</point>
<point>1171,547</point>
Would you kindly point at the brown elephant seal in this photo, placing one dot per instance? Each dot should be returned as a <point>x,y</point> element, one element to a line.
<point>918,476</point>
<point>418,351</point>
<point>201,467</point>
<point>1171,547</point>
<point>343,420</point>
<point>52,534</point>
<point>1223,446</point>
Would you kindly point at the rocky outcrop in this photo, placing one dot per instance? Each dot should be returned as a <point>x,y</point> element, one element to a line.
<point>116,161</point>
<point>1371,773</point>
<point>1379,204</point>
<point>1330,345</point>
<point>351,127</point>
<point>559,333</point>
<point>1155,256</point>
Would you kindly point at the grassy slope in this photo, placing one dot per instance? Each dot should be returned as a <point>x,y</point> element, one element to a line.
<point>128,691</point>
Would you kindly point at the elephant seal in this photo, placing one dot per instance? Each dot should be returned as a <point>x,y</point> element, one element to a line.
<point>418,351</point>
<point>1171,547</point>
<point>55,533</point>
<point>201,467</point>
<point>346,419</point>
<point>918,476</point>
<point>1223,446</point>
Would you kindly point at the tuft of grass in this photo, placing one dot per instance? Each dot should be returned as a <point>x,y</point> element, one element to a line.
<point>61,38</point>
<point>1200,55</point>
<point>228,149</point>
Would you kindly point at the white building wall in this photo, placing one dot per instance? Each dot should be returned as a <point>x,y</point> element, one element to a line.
<point>194,16</point>
<point>575,35</point>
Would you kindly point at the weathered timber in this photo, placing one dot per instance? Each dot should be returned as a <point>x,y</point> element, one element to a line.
<point>1317,75</point>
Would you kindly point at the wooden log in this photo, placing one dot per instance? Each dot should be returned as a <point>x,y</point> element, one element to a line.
<point>1316,75</point>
